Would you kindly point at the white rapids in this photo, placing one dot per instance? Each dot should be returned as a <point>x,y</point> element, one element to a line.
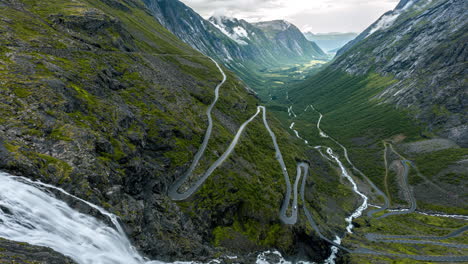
<point>263,258</point>
<point>334,252</point>
<point>30,213</point>
<point>365,199</point>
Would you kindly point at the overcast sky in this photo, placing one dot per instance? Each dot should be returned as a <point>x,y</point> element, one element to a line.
<point>318,16</point>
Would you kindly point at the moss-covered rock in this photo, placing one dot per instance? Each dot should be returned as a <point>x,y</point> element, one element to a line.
<point>100,99</point>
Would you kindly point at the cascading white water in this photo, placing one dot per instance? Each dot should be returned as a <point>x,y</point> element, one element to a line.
<point>263,259</point>
<point>357,213</point>
<point>30,213</point>
<point>334,251</point>
<point>365,199</point>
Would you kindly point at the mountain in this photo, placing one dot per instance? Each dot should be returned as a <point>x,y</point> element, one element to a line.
<point>385,21</point>
<point>106,116</point>
<point>330,42</point>
<point>402,83</point>
<point>98,98</point>
<point>416,47</point>
<point>190,27</point>
<point>396,97</point>
<point>235,41</point>
<point>423,46</point>
<point>289,41</point>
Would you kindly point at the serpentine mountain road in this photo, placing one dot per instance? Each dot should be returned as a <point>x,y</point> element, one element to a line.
<point>302,169</point>
<point>376,237</point>
<point>174,190</point>
<point>408,192</point>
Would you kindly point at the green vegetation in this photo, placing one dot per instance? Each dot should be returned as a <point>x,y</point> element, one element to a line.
<point>129,97</point>
<point>262,235</point>
<point>352,114</point>
<point>432,163</point>
<point>413,224</point>
<point>350,107</point>
<point>62,133</point>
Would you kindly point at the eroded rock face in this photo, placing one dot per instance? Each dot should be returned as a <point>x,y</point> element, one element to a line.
<point>424,46</point>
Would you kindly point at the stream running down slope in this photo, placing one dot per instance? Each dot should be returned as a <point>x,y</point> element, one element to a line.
<point>377,237</point>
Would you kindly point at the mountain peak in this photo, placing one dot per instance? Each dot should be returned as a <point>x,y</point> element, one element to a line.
<point>279,25</point>
<point>222,18</point>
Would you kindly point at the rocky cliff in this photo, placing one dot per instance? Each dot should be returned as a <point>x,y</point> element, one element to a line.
<point>422,44</point>
<point>13,252</point>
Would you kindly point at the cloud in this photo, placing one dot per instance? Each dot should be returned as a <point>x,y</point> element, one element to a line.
<point>311,15</point>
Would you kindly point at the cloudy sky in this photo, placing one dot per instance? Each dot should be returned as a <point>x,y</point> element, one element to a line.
<point>318,16</point>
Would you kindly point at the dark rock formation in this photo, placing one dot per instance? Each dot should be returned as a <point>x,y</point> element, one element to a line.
<point>22,253</point>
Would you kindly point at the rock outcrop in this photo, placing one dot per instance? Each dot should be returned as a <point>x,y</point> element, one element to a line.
<point>19,253</point>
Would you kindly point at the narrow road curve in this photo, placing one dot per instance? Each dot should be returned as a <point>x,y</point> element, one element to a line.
<point>310,218</point>
<point>423,242</point>
<point>387,203</point>
<point>421,239</point>
<point>458,232</point>
<point>421,175</point>
<point>430,258</point>
<point>408,193</point>
<point>173,193</point>
<point>385,156</point>
<point>291,220</point>
<point>177,196</point>
<point>302,169</point>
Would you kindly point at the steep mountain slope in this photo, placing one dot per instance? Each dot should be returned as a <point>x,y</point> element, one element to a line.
<point>404,82</point>
<point>385,21</point>
<point>424,46</point>
<point>288,38</point>
<point>258,48</point>
<point>233,41</point>
<point>277,41</point>
<point>330,41</point>
<point>13,252</point>
<point>195,31</point>
<point>396,99</point>
<point>100,99</point>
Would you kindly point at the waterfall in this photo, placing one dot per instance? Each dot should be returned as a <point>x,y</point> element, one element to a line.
<point>30,213</point>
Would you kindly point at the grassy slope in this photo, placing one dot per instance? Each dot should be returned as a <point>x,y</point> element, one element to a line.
<point>149,106</point>
<point>351,116</point>
<point>415,224</point>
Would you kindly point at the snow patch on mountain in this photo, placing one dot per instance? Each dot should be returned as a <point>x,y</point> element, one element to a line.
<point>238,33</point>
<point>387,21</point>
<point>241,32</point>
